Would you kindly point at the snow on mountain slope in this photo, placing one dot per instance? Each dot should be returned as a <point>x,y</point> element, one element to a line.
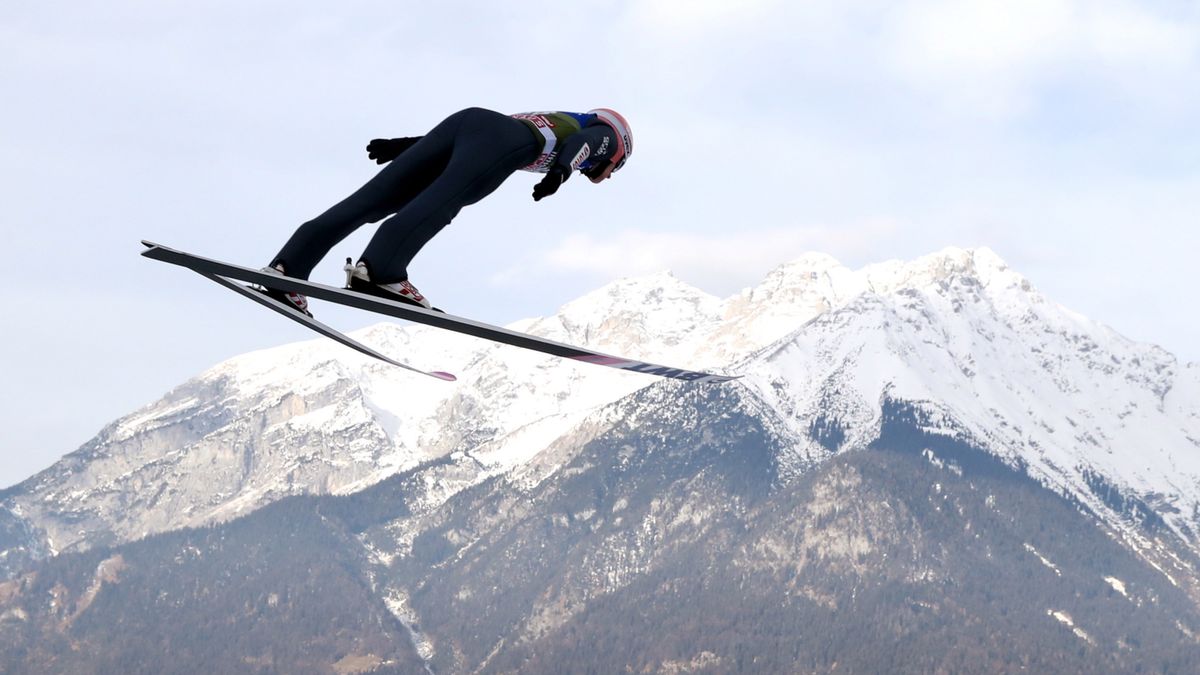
<point>1083,408</point>
<point>822,345</point>
<point>315,417</point>
<point>657,312</point>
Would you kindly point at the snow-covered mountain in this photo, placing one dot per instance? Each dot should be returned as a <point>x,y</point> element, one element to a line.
<point>992,359</point>
<point>928,466</point>
<point>1109,422</point>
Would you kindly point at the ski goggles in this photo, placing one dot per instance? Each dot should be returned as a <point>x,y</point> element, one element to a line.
<point>603,170</point>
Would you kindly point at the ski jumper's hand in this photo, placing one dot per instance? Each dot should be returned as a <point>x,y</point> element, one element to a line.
<point>384,150</point>
<point>556,176</point>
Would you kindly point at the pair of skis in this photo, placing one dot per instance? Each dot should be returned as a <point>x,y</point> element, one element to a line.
<point>228,275</point>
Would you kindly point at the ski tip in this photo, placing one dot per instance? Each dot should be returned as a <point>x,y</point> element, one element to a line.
<point>442,375</point>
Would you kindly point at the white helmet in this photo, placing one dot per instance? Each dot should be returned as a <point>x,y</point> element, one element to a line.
<point>624,141</point>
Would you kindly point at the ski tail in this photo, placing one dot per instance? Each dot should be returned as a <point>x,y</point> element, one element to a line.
<point>329,332</point>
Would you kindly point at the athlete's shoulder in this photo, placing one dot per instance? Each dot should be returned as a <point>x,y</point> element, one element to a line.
<point>559,120</point>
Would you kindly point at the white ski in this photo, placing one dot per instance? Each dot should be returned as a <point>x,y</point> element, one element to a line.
<point>370,303</point>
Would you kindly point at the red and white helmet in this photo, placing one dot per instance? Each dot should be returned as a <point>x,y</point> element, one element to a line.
<point>624,141</point>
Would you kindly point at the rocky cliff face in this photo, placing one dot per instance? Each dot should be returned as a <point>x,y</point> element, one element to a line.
<point>670,533</point>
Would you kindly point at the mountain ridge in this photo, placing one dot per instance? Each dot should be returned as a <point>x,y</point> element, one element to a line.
<point>926,466</point>
<point>309,417</point>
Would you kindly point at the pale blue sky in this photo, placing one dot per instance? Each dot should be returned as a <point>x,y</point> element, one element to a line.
<point>1060,133</point>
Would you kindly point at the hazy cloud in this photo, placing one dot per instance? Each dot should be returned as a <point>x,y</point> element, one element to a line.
<point>993,56</point>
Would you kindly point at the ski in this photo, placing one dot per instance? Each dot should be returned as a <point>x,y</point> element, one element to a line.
<point>329,332</point>
<point>419,315</point>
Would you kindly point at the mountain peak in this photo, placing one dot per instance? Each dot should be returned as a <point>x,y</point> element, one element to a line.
<point>980,264</point>
<point>809,262</point>
<point>640,314</point>
<point>661,284</point>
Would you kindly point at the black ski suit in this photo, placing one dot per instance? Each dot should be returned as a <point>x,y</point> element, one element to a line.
<point>461,161</point>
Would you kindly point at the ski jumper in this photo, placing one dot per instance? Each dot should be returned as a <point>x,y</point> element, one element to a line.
<point>458,163</point>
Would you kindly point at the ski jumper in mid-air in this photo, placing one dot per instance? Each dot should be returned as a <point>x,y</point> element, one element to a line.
<point>429,179</point>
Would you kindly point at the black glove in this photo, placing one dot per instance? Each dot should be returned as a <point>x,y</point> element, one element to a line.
<point>557,175</point>
<point>384,150</point>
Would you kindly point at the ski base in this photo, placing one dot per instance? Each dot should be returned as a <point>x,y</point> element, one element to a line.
<point>329,332</point>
